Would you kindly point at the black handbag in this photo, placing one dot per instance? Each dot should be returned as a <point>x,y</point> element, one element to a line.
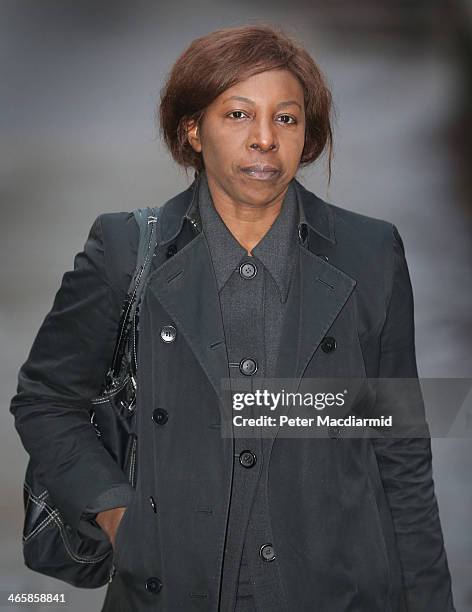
<point>50,545</point>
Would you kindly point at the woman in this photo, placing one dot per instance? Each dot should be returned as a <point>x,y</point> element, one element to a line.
<point>254,277</point>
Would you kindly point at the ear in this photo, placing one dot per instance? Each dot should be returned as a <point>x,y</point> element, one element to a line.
<point>193,135</point>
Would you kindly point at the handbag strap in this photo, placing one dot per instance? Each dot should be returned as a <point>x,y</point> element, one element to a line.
<point>147,219</point>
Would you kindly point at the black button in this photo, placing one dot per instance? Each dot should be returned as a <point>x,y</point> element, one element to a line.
<point>160,416</point>
<point>267,552</point>
<point>168,333</point>
<point>325,257</point>
<point>153,504</point>
<point>248,367</point>
<point>153,585</point>
<point>247,270</point>
<point>328,344</point>
<point>247,459</point>
<point>171,250</point>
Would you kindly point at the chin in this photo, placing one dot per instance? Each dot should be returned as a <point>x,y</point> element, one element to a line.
<point>260,196</point>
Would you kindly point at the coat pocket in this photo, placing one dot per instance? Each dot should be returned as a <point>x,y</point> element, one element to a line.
<point>131,464</point>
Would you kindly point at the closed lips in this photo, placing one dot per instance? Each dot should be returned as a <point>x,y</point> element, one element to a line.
<point>259,168</point>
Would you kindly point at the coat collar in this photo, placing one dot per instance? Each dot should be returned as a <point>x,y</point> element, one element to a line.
<point>314,214</point>
<point>276,249</point>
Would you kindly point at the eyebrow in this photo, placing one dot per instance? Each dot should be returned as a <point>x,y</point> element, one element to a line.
<point>252,103</point>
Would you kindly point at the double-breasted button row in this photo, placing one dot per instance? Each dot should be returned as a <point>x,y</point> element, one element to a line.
<point>267,552</point>
<point>248,366</point>
<point>168,334</point>
<point>153,585</point>
<point>247,458</point>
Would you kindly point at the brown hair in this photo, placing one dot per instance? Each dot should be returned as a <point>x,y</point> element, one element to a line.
<point>219,60</point>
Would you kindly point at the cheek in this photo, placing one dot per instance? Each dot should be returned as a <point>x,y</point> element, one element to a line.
<point>300,140</point>
<point>293,138</point>
<point>224,155</point>
<point>293,148</point>
<point>211,152</point>
<point>218,146</point>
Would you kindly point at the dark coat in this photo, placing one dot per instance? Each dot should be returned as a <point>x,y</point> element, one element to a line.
<point>355,521</point>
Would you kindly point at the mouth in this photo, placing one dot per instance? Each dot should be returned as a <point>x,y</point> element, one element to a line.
<point>261,172</point>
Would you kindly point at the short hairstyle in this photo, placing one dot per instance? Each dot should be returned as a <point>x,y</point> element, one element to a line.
<point>219,60</point>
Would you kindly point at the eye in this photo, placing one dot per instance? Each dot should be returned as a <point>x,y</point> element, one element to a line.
<point>236,113</point>
<point>291,119</point>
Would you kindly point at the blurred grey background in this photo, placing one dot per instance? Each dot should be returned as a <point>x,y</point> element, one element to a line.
<point>79,84</point>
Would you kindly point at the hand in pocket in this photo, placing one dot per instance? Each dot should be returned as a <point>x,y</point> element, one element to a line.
<point>109,521</point>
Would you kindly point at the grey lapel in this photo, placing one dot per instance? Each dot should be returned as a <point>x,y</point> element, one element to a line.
<point>320,291</point>
<point>186,287</point>
<point>319,294</point>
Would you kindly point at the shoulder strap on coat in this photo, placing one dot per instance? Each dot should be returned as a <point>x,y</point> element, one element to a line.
<point>147,219</point>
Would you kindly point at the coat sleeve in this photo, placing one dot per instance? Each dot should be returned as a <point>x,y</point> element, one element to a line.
<point>65,369</point>
<point>405,463</point>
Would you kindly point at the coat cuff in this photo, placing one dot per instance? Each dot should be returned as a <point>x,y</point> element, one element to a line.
<point>114,497</point>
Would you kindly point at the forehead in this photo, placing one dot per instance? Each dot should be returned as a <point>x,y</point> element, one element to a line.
<point>271,85</point>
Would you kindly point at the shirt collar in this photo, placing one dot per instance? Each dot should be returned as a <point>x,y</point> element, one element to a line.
<point>275,250</point>
<point>225,250</point>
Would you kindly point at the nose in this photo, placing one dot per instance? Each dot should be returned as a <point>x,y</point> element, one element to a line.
<point>262,135</point>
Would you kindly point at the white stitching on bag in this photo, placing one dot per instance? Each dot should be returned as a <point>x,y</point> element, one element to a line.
<point>54,516</point>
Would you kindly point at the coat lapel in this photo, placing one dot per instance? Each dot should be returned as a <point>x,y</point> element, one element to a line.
<point>324,291</point>
<point>320,292</point>
<point>186,287</point>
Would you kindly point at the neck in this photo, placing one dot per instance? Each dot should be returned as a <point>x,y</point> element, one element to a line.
<point>247,222</point>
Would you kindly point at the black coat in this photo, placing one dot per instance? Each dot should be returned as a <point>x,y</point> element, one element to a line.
<point>355,520</point>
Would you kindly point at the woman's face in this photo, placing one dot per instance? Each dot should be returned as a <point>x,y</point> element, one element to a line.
<point>252,136</point>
